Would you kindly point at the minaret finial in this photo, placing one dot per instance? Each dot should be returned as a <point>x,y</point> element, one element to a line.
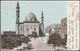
<point>42,17</point>
<point>17,16</point>
<point>17,12</point>
<point>42,21</point>
<point>42,12</point>
<point>17,3</point>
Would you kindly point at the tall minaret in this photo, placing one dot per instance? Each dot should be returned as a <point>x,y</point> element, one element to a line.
<point>42,22</point>
<point>17,18</point>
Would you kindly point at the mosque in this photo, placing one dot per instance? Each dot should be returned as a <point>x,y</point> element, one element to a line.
<point>31,25</point>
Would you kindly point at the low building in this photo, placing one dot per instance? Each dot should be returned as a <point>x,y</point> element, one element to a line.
<point>64,26</point>
<point>9,33</point>
<point>53,28</point>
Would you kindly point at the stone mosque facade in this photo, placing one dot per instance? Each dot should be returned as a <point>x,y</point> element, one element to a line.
<point>30,25</point>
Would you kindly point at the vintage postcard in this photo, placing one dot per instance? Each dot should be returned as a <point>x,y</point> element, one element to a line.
<point>40,25</point>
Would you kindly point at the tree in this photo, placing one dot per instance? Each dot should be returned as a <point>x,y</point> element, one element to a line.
<point>55,39</point>
<point>11,41</point>
<point>64,41</point>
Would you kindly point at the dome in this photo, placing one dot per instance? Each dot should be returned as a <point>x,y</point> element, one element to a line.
<point>31,17</point>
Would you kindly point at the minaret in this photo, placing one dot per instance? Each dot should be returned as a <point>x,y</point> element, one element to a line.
<point>17,17</point>
<point>42,22</point>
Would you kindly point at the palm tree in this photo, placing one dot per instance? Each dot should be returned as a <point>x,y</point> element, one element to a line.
<point>55,39</point>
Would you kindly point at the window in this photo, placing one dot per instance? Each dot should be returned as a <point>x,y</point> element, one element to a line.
<point>76,42</point>
<point>34,28</point>
<point>73,12</point>
<point>21,29</point>
<point>72,39</point>
<point>34,25</point>
<point>31,19</point>
<point>76,27</point>
<point>31,27</point>
<point>27,29</point>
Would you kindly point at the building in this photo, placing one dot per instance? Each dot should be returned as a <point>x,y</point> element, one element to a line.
<point>73,25</point>
<point>30,25</point>
<point>9,33</point>
<point>53,28</point>
<point>64,26</point>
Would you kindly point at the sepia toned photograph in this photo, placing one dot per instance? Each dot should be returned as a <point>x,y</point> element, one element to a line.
<point>40,26</point>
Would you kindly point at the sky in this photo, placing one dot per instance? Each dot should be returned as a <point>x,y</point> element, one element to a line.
<point>53,12</point>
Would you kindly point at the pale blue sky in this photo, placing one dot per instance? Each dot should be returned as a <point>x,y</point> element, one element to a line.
<point>54,11</point>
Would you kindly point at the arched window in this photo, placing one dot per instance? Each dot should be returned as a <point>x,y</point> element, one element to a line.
<point>27,29</point>
<point>31,27</point>
<point>21,28</point>
<point>34,34</point>
<point>35,29</point>
<point>34,25</point>
<point>31,19</point>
